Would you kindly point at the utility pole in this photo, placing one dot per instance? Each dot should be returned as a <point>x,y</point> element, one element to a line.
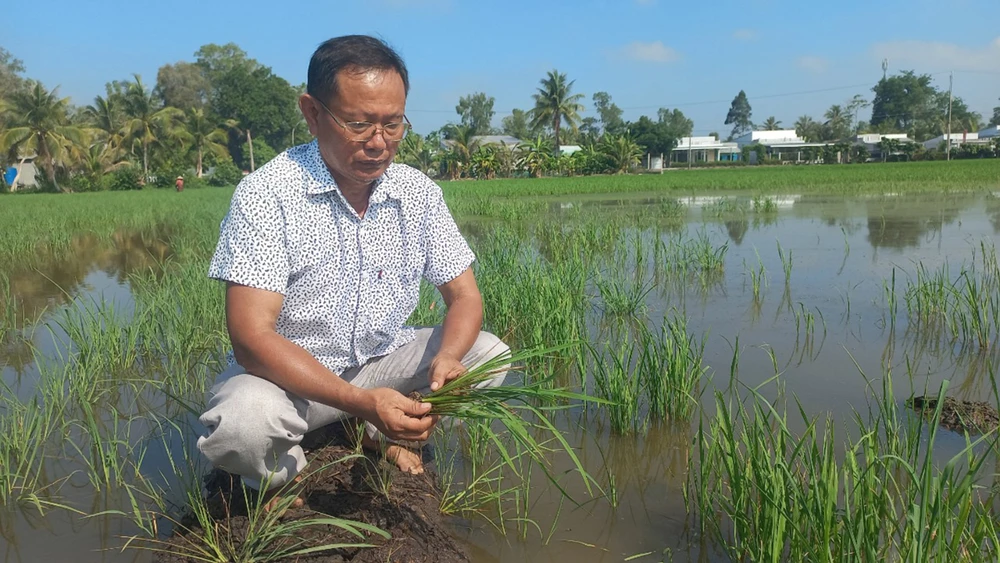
<point>689,150</point>
<point>885,67</point>
<point>951,83</point>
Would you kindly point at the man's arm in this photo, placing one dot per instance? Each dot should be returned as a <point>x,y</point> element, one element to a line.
<point>462,324</point>
<point>251,315</point>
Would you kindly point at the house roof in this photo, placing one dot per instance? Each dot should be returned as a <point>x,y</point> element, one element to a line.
<point>497,139</point>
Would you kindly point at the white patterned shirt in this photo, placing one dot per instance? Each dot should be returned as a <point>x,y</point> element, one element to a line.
<point>349,282</point>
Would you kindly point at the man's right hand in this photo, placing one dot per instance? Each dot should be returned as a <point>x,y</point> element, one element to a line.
<point>398,417</point>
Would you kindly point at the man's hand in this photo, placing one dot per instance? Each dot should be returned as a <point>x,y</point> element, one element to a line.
<point>398,417</point>
<point>443,369</point>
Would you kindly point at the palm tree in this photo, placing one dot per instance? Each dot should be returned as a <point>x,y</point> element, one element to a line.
<point>555,104</point>
<point>838,121</point>
<point>40,124</point>
<point>107,117</point>
<point>770,124</point>
<point>622,152</point>
<point>462,143</point>
<point>807,128</point>
<point>147,122</point>
<point>204,136</point>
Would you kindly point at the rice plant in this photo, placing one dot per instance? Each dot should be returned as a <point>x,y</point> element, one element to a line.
<point>624,298</point>
<point>616,381</point>
<point>786,262</point>
<point>521,409</point>
<point>765,493</point>
<point>670,370</point>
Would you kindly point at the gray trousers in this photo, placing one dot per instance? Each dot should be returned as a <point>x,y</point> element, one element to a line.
<point>255,427</point>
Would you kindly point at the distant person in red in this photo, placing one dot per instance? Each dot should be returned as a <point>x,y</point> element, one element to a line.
<point>179,183</point>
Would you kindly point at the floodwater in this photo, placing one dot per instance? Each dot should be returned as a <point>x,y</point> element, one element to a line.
<point>844,251</point>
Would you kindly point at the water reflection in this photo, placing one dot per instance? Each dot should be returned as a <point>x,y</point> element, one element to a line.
<point>54,280</point>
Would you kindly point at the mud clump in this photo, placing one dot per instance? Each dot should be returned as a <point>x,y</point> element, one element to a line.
<point>364,489</point>
<point>974,417</point>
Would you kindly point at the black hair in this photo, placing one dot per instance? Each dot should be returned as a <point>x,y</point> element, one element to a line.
<point>353,53</point>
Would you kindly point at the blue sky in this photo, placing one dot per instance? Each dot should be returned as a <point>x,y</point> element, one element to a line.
<point>791,57</point>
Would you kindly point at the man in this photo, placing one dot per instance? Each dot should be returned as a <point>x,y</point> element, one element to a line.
<point>322,253</point>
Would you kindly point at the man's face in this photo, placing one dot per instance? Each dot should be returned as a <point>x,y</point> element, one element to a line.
<point>375,96</point>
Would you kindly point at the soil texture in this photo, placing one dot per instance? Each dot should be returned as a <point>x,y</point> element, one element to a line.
<point>364,489</point>
<point>974,417</point>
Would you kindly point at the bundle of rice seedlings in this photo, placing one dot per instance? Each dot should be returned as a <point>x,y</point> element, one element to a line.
<point>521,408</point>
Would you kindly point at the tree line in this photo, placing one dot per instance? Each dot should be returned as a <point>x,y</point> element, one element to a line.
<point>904,103</point>
<point>227,112</point>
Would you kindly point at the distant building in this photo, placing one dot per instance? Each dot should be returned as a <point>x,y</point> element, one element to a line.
<point>497,140</point>
<point>871,142</point>
<point>24,170</point>
<point>481,140</point>
<point>703,149</point>
<point>782,144</point>
<point>781,137</point>
<point>957,139</point>
<point>990,132</point>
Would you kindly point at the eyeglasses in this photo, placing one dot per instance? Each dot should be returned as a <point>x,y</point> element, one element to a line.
<point>363,131</point>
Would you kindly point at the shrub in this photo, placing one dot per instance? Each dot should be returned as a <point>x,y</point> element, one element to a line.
<point>128,177</point>
<point>85,183</point>
<point>225,174</point>
<point>195,183</point>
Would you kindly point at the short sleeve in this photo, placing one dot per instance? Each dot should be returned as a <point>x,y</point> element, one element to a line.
<point>448,254</point>
<point>252,250</point>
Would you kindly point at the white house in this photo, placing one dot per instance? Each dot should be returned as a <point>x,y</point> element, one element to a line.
<point>786,137</point>
<point>956,139</point>
<point>704,149</point>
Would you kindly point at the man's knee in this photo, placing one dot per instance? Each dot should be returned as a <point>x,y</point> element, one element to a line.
<point>489,348</point>
<point>249,417</point>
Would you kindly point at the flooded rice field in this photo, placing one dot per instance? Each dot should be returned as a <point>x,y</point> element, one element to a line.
<point>718,328</point>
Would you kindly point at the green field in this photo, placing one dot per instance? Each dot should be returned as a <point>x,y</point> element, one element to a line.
<point>700,327</point>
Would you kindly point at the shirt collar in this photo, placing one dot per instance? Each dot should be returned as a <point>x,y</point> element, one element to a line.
<point>320,181</point>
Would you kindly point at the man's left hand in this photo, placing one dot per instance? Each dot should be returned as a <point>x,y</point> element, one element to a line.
<point>444,369</point>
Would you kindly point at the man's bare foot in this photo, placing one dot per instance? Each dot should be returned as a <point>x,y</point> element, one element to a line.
<point>275,496</point>
<point>407,460</point>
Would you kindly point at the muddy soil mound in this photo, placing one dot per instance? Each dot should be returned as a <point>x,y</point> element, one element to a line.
<point>354,490</point>
<point>974,417</point>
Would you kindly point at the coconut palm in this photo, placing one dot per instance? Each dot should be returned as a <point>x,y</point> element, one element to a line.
<point>107,117</point>
<point>204,135</point>
<point>40,124</point>
<point>838,121</point>
<point>554,104</point>
<point>622,152</point>
<point>770,124</point>
<point>147,122</point>
<point>808,129</point>
<point>462,142</point>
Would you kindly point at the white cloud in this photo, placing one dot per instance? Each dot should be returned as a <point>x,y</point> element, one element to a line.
<point>745,35</point>
<point>655,52</point>
<point>928,56</point>
<point>815,65</point>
